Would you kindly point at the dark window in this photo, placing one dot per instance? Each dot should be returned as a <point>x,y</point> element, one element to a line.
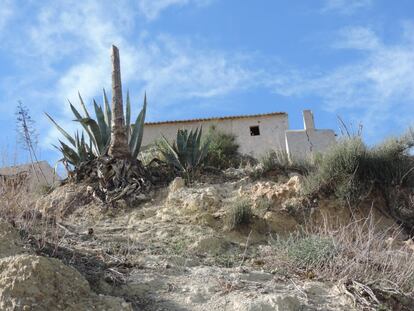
<point>254,131</point>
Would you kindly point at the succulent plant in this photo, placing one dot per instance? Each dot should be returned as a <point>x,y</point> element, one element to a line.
<point>79,150</point>
<point>187,152</point>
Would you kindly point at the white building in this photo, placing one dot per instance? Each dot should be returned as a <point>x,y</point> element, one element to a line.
<point>255,134</point>
<point>306,142</point>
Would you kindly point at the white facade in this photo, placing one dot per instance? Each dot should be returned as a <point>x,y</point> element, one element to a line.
<point>255,134</point>
<point>309,141</point>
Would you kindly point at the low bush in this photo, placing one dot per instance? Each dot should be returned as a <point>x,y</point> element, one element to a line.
<point>337,170</point>
<point>240,213</point>
<point>279,161</point>
<point>352,171</point>
<point>363,257</point>
<point>308,250</point>
<point>223,149</point>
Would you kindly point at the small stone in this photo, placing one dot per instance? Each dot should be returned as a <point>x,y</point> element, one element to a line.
<point>177,183</point>
<point>141,197</point>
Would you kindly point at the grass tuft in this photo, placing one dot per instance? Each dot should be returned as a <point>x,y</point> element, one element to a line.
<point>280,162</point>
<point>239,214</point>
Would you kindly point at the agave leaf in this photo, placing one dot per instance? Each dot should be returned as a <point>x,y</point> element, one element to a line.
<point>171,155</point>
<point>108,112</point>
<point>103,127</point>
<point>199,156</point>
<point>64,133</point>
<point>69,154</point>
<point>181,141</point>
<point>95,135</point>
<point>188,152</point>
<point>83,105</point>
<point>91,128</point>
<point>128,116</point>
<point>138,131</point>
<point>78,116</point>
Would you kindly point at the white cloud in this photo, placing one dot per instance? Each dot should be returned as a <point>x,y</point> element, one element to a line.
<point>345,6</point>
<point>358,38</point>
<point>174,69</point>
<point>6,12</point>
<point>67,46</point>
<point>151,9</point>
<point>379,87</point>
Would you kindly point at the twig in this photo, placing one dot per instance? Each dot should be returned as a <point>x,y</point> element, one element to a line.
<point>245,249</point>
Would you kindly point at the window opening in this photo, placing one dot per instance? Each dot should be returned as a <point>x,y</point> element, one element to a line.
<point>254,131</point>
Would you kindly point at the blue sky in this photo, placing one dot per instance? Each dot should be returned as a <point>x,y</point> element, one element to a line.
<point>200,58</point>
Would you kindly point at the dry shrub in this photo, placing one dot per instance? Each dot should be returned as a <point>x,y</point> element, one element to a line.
<point>278,161</point>
<point>239,214</point>
<point>358,255</point>
<point>17,206</point>
<point>352,171</point>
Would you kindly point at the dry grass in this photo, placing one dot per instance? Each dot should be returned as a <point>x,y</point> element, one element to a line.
<point>17,206</point>
<point>279,162</point>
<point>239,214</point>
<point>372,264</point>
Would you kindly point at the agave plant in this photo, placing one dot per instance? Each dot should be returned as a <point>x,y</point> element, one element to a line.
<point>99,132</point>
<point>187,153</point>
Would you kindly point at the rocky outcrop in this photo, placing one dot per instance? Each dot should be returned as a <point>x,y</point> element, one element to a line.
<point>182,200</point>
<point>35,283</point>
<point>277,193</point>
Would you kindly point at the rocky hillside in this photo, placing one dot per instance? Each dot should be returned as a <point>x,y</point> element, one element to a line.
<point>228,243</point>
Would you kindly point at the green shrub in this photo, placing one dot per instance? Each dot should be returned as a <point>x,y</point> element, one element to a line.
<point>351,171</point>
<point>223,149</point>
<point>308,251</point>
<point>336,171</point>
<point>350,168</point>
<point>240,213</point>
<point>279,161</point>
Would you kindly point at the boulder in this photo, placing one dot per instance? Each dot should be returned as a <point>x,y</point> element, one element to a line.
<point>187,201</point>
<point>277,193</point>
<point>36,283</point>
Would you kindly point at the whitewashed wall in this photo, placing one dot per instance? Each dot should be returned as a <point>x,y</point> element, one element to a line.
<point>309,141</point>
<point>304,143</point>
<point>272,132</point>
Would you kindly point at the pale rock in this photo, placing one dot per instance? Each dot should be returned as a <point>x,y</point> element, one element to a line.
<point>177,184</point>
<point>210,245</point>
<point>281,222</point>
<point>187,201</point>
<point>269,303</point>
<point>257,276</point>
<point>46,284</point>
<point>277,193</point>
